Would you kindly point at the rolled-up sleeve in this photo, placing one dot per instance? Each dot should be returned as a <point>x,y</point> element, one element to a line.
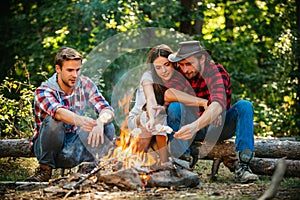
<point>47,101</point>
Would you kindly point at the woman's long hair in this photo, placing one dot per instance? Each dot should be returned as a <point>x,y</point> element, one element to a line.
<point>158,85</point>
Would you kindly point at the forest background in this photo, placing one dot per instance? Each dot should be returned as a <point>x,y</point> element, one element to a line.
<point>256,41</point>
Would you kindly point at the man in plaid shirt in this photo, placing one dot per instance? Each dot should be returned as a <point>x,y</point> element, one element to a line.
<point>64,137</point>
<point>217,120</point>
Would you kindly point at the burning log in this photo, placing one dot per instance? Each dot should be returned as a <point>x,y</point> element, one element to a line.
<point>125,179</point>
<point>166,178</point>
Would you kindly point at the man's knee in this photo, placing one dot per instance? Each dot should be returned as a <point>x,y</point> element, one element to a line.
<point>245,106</point>
<point>52,126</point>
<point>174,110</point>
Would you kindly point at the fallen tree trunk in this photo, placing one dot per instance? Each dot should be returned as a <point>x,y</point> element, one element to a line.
<point>267,166</point>
<point>271,148</point>
<point>263,149</point>
<point>277,149</point>
<point>15,148</point>
<point>266,154</point>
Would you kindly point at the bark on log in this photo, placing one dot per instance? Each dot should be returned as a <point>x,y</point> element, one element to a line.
<point>15,148</point>
<point>267,166</point>
<point>263,149</point>
<point>269,148</point>
<point>266,154</point>
<point>277,149</point>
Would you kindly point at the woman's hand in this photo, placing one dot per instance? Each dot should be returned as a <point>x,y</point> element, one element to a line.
<point>156,111</point>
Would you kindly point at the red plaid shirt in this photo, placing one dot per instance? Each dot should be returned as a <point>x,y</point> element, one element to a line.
<point>213,85</point>
<point>179,82</point>
<point>49,97</point>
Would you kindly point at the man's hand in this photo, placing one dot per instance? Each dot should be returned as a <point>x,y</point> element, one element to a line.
<point>87,124</point>
<point>186,132</point>
<point>96,135</point>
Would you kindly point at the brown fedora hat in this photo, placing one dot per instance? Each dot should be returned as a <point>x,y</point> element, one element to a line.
<point>186,50</point>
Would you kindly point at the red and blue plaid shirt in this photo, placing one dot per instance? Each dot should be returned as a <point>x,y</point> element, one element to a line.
<point>49,97</point>
<point>179,82</point>
<point>213,85</point>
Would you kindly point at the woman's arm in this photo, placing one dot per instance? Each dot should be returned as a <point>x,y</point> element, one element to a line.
<point>151,101</point>
<point>173,95</point>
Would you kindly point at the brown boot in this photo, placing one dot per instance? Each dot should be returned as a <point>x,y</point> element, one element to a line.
<point>42,174</point>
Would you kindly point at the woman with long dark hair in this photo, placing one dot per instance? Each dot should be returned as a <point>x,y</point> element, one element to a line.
<point>149,108</point>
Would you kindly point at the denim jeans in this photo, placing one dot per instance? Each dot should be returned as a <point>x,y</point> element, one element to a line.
<point>238,122</point>
<point>58,149</point>
<point>175,120</point>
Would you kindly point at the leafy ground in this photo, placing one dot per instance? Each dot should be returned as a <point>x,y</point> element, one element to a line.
<point>223,188</point>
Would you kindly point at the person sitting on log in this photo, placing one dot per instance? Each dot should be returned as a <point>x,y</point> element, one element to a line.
<point>149,108</point>
<point>220,121</point>
<point>64,137</point>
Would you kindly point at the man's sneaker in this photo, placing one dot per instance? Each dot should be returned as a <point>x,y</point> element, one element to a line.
<point>40,175</point>
<point>243,174</point>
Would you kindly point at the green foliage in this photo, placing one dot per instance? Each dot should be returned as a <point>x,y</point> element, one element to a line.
<point>16,117</point>
<point>257,52</point>
<point>254,40</point>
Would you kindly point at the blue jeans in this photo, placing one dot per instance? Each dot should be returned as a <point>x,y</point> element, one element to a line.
<point>175,120</point>
<point>238,121</point>
<point>58,149</point>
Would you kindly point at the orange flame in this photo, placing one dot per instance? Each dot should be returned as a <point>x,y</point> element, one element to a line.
<point>127,151</point>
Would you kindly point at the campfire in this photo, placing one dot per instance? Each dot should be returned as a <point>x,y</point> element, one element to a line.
<point>128,169</point>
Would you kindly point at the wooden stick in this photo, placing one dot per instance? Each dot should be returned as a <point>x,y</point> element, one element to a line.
<point>276,179</point>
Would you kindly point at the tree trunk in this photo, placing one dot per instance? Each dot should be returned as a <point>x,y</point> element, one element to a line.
<point>266,166</point>
<point>297,53</point>
<point>267,153</point>
<point>263,149</point>
<point>269,148</point>
<point>15,148</point>
<point>277,149</point>
<point>186,25</point>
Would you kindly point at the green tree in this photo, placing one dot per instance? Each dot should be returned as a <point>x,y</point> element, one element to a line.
<point>257,41</point>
